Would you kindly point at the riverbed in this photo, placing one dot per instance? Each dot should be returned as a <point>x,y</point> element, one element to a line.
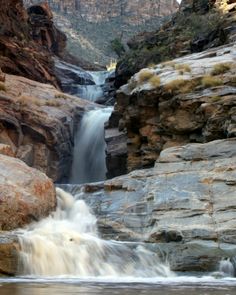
<point>179,286</point>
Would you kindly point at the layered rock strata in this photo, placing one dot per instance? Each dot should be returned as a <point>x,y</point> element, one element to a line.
<point>102,11</point>
<point>43,31</point>
<point>39,123</point>
<point>19,53</point>
<point>199,25</point>
<point>183,208</point>
<point>190,99</point>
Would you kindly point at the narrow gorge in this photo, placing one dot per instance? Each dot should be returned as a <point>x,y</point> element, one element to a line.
<point>122,180</point>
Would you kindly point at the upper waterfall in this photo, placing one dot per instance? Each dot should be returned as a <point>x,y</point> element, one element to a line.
<point>89,152</point>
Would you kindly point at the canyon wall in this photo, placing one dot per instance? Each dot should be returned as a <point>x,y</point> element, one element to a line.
<point>19,53</point>
<point>97,11</point>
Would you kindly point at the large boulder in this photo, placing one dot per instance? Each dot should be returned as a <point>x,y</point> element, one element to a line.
<point>9,249</point>
<point>26,194</point>
<point>185,206</point>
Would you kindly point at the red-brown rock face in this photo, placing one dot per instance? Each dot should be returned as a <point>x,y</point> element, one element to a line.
<point>103,10</point>
<point>26,196</point>
<point>19,54</point>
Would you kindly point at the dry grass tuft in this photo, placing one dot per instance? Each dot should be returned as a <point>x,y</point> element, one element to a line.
<point>181,86</point>
<point>183,68</point>
<point>62,95</point>
<point>209,81</point>
<point>52,103</point>
<point>232,80</point>
<point>155,81</point>
<point>175,85</point>
<point>26,100</point>
<point>145,75</point>
<point>132,84</point>
<point>3,87</point>
<point>220,69</point>
<point>168,64</point>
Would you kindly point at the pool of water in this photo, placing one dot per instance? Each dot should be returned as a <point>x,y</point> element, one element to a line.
<point>69,286</point>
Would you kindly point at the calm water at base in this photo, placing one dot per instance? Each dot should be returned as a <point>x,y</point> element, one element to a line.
<point>70,287</point>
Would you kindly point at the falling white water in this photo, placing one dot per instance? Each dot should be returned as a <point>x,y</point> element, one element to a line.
<point>89,152</point>
<point>93,92</point>
<point>226,267</point>
<point>100,77</point>
<point>67,244</point>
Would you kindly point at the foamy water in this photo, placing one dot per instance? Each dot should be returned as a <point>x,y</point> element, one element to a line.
<point>67,245</point>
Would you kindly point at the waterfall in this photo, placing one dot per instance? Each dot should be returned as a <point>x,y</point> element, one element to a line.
<point>89,152</point>
<point>67,244</point>
<point>93,92</point>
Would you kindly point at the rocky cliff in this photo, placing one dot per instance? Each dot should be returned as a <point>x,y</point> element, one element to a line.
<point>199,25</point>
<point>19,53</point>
<point>104,10</point>
<point>183,208</point>
<point>190,99</point>
<point>39,123</point>
<point>92,25</point>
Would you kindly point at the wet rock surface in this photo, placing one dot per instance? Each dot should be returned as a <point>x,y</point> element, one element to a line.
<point>9,247</point>
<point>184,206</point>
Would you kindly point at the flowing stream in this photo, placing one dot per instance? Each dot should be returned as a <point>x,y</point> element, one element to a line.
<point>63,254</point>
<point>89,163</point>
<point>67,244</point>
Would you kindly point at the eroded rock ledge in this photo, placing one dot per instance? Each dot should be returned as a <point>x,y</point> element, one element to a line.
<point>39,123</point>
<point>185,206</point>
<point>190,99</point>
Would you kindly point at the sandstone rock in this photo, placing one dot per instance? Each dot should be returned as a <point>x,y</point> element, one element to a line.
<point>26,194</point>
<point>185,206</point>
<point>6,150</point>
<point>43,30</point>
<point>9,248</point>
<point>2,76</point>
<point>19,53</point>
<point>39,123</point>
<point>154,117</point>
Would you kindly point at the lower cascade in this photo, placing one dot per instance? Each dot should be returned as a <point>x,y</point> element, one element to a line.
<point>89,151</point>
<point>67,244</point>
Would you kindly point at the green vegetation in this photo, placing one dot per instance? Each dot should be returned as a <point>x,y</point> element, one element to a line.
<point>118,47</point>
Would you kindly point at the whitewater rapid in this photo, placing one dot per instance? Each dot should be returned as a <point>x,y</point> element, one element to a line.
<point>68,244</point>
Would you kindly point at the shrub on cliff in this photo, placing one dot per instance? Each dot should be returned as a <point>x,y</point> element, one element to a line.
<point>118,47</point>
